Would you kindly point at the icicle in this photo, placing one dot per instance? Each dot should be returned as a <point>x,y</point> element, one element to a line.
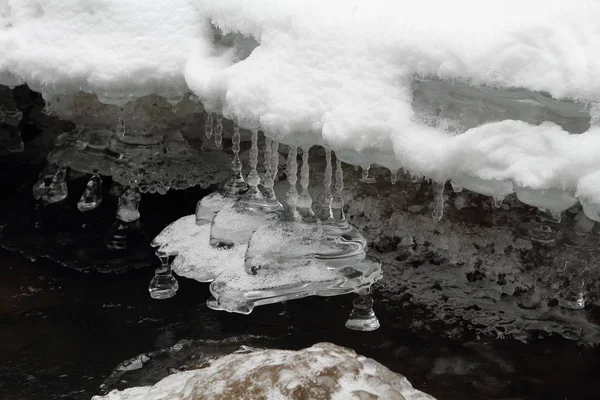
<point>337,203</point>
<point>456,187</point>
<point>438,202</point>
<point>415,179</point>
<point>41,186</point>
<point>129,204</point>
<point>163,285</point>
<point>253,179</point>
<point>556,216</point>
<point>365,175</point>
<point>304,200</point>
<point>219,130</point>
<point>291,198</point>
<point>236,185</point>
<point>393,176</point>
<point>121,124</point>
<point>497,200</point>
<point>57,190</point>
<point>92,195</point>
<point>12,117</point>
<point>327,196</point>
<point>268,178</point>
<point>362,317</point>
<point>208,125</point>
<point>271,161</point>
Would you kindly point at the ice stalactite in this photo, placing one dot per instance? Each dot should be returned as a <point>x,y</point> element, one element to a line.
<point>304,200</point>
<point>497,201</point>
<point>291,197</point>
<point>438,201</point>
<point>218,129</point>
<point>163,285</point>
<point>271,163</point>
<point>236,184</point>
<point>365,178</point>
<point>11,116</point>
<point>253,179</point>
<point>456,187</point>
<point>393,176</point>
<point>362,317</point>
<point>327,197</point>
<point>57,189</point>
<point>129,204</point>
<point>208,125</point>
<point>337,202</point>
<point>92,195</point>
<point>41,186</point>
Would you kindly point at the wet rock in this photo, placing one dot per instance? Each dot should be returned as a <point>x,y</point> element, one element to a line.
<point>321,372</point>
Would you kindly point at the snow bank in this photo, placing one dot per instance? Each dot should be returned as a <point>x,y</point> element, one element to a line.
<point>336,73</point>
<point>99,45</point>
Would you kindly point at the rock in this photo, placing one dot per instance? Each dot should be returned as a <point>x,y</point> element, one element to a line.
<point>321,372</point>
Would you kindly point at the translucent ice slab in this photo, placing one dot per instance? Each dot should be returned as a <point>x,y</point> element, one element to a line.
<point>285,245</point>
<point>554,200</point>
<point>234,225</point>
<point>487,187</point>
<point>236,291</point>
<point>208,206</point>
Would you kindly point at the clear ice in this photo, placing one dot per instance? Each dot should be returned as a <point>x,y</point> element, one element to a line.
<point>92,195</point>
<point>57,189</point>
<point>438,201</point>
<point>234,224</point>
<point>163,285</point>
<point>129,203</point>
<point>208,125</point>
<point>365,178</point>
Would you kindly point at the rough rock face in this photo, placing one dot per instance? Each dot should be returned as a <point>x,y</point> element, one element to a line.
<point>321,372</point>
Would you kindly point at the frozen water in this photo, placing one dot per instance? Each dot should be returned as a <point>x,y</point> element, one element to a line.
<point>208,206</point>
<point>438,201</point>
<point>91,197</point>
<point>486,187</point>
<point>234,225</point>
<point>552,199</point>
<point>57,189</point>
<point>235,290</point>
<point>365,175</point>
<point>129,204</point>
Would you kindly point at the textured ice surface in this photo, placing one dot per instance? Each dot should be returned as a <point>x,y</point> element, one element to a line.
<point>323,371</point>
<point>235,290</point>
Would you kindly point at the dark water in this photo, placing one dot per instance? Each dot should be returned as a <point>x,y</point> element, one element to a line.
<point>62,332</point>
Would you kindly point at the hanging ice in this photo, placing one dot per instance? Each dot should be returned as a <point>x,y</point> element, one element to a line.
<point>163,285</point>
<point>208,125</point>
<point>129,203</point>
<point>291,242</point>
<point>234,224</point>
<point>365,175</point>
<point>57,189</point>
<point>438,201</point>
<point>92,195</point>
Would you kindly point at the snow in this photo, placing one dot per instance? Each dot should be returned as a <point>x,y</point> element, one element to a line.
<point>338,73</point>
<point>323,371</point>
<point>99,45</point>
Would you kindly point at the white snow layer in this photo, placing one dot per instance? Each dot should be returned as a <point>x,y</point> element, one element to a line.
<point>338,72</point>
<point>322,371</point>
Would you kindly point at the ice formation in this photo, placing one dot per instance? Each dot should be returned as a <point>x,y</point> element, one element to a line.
<point>323,371</point>
<point>311,73</point>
